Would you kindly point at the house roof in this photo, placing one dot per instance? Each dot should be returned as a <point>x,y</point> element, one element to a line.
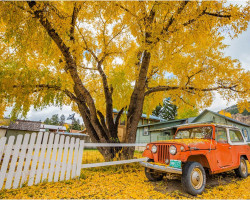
<point>54,127</point>
<point>223,116</point>
<point>4,127</point>
<point>193,124</point>
<point>145,116</point>
<point>165,122</point>
<point>25,125</point>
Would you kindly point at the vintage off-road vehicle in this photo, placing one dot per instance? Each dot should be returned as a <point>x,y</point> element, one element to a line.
<point>196,150</point>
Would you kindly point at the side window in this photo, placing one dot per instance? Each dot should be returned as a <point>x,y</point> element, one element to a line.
<point>235,136</point>
<point>221,135</point>
<point>245,133</point>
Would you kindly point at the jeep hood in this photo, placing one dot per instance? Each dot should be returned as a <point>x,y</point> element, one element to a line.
<point>194,144</point>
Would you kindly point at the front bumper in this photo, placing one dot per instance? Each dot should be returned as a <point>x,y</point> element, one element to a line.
<point>162,168</point>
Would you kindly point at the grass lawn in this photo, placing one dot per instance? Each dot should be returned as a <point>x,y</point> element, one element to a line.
<point>129,181</point>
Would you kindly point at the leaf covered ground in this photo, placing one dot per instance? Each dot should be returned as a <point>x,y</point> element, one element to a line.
<point>129,182</point>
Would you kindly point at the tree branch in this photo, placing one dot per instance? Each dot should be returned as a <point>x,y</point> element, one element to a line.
<point>76,10</point>
<point>46,86</point>
<point>167,88</point>
<point>103,122</point>
<point>86,45</point>
<point>218,14</point>
<point>118,118</point>
<point>127,10</point>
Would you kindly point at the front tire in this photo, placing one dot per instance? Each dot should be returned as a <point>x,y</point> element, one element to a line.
<point>153,175</point>
<point>242,171</point>
<point>193,178</point>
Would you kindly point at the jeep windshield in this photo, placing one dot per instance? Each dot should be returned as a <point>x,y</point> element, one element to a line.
<point>203,132</point>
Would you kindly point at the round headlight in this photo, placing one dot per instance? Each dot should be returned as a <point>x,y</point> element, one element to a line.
<point>172,150</point>
<point>154,149</point>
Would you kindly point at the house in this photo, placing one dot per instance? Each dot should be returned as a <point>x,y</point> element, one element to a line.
<point>159,131</point>
<point>52,128</point>
<point>166,130</point>
<point>22,127</point>
<point>213,117</point>
<point>25,126</point>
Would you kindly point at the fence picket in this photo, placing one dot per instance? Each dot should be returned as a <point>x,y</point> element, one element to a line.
<point>21,160</point>
<point>6,160</point>
<point>69,165</point>
<point>28,158</point>
<point>79,160</point>
<point>41,158</point>
<point>2,145</point>
<point>13,162</point>
<point>48,154</point>
<point>65,155</point>
<point>34,159</point>
<point>53,159</point>
<point>59,158</point>
<point>75,158</point>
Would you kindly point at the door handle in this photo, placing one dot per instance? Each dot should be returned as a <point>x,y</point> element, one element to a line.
<point>229,147</point>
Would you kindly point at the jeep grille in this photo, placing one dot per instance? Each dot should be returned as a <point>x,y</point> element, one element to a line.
<point>163,152</point>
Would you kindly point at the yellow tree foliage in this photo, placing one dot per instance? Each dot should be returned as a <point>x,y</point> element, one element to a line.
<point>97,56</point>
<point>227,114</point>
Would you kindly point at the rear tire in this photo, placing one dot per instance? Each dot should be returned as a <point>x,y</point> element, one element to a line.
<point>242,170</point>
<point>193,178</point>
<point>153,175</point>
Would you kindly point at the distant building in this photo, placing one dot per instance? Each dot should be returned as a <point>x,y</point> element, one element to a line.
<point>52,128</point>
<point>22,127</point>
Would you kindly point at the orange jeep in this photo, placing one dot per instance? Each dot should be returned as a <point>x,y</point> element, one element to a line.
<point>197,149</point>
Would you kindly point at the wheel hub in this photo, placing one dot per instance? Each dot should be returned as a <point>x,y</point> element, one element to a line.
<point>243,167</point>
<point>196,178</point>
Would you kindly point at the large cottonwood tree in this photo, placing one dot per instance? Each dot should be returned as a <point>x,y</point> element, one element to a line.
<point>97,56</point>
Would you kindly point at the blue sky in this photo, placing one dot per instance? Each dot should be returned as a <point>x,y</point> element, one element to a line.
<point>239,49</point>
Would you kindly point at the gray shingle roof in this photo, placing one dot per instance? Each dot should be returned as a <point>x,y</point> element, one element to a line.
<point>25,125</point>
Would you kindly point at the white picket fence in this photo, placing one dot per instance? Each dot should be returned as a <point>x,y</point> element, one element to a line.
<point>39,157</point>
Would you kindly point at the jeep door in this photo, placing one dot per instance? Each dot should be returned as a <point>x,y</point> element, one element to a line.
<point>223,148</point>
<point>238,145</point>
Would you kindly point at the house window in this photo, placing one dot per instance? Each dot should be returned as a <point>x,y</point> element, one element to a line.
<point>145,131</point>
<point>145,121</point>
<point>245,133</point>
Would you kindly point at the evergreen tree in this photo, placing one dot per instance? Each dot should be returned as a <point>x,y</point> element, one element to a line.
<point>54,120</point>
<point>62,119</point>
<point>47,121</point>
<point>76,125</point>
<point>167,110</point>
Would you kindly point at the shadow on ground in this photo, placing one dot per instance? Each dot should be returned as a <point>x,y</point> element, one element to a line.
<point>172,184</point>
